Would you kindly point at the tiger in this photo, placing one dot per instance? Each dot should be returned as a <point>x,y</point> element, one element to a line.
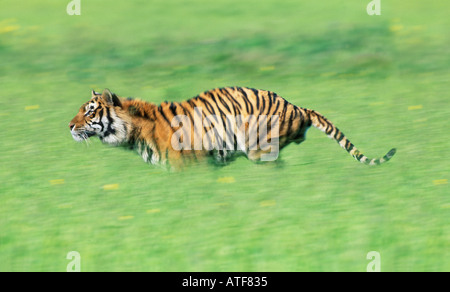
<point>205,126</point>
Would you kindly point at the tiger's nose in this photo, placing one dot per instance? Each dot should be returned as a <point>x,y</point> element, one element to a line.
<point>71,126</point>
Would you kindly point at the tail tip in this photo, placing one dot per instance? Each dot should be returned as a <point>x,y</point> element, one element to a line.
<point>389,154</point>
<point>379,161</point>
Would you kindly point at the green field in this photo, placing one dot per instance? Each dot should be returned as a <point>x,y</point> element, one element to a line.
<point>383,80</point>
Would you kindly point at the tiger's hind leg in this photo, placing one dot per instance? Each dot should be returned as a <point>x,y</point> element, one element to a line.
<point>300,139</point>
<point>299,129</point>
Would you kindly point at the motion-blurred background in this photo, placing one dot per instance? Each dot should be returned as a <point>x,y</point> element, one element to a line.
<point>383,80</point>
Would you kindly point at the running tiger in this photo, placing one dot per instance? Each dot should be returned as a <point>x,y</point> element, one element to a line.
<point>222,123</point>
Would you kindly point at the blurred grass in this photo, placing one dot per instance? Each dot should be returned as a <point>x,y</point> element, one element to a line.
<point>383,80</point>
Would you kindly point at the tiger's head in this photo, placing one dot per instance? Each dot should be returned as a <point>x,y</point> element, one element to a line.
<point>101,116</point>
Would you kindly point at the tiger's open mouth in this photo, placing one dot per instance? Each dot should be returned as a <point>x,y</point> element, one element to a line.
<point>89,134</point>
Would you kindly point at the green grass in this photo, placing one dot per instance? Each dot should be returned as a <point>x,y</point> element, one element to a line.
<point>383,80</point>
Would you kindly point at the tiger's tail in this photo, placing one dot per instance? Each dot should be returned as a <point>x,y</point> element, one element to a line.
<point>321,123</point>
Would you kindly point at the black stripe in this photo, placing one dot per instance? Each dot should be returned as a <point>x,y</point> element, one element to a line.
<point>186,112</point>
<point>347,144</point>
<point>283,115</point>
<point>213,97</point>
<point>270,104</point>
<point>110,130</point>
<point>341,135</point>
<point>234,101</point>
<point>100,123</point>
<point>226,95</point>
<point>290,123</point>
<point>212,111</point>
<point>149,152</point>
<point>173,108</point>
<point>329,126</point>
<point>276,107</point>
<point>350,148</point>
<point>255,92</point>
<point>259,96</point>
<point>300,124</point>
<point>296,112</point>
<point>257,103</point>
<point>192,104</point>
<point>302,120</point>
<point>248,104</point>
<point>222,101</point>
<point>221,113</point>
<point>145,115</point>
<point>161,111</point>
<point>208,105</point>
<point>263,104</point>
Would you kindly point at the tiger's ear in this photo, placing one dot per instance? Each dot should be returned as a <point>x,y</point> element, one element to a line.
<point>111,98</point>
<point>94,93</point>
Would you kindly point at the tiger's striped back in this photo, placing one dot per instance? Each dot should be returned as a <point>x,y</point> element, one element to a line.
<point>247,103</point>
